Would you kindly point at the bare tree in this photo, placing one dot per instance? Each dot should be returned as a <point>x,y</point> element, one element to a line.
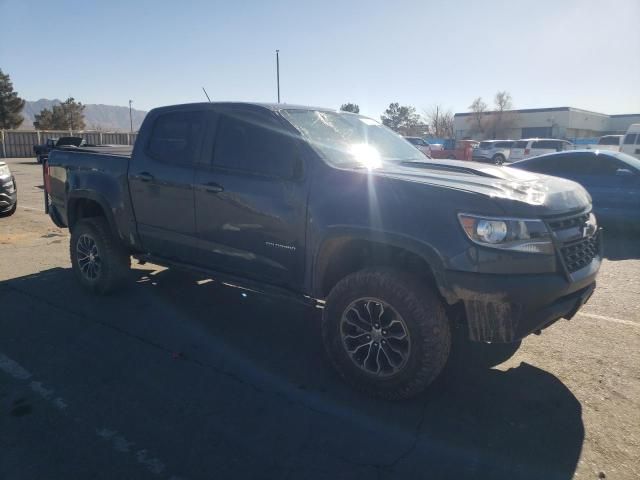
<point>501,121</point>
<point>440,121</point>
<point>478,109</point>
<point>503,101</point>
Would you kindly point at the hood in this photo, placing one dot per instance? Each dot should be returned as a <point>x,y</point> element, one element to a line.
<point>549,195</point>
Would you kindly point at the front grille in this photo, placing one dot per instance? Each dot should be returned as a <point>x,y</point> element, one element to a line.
<point>579,254</point>
<point>570,222</point>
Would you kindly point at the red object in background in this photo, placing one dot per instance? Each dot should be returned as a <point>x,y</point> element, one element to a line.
<point>456,150</point>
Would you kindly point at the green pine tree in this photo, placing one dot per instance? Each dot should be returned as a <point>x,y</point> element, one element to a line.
<point>11,104</point>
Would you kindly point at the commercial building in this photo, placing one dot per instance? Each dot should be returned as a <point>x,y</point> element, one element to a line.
<point>559,122</point>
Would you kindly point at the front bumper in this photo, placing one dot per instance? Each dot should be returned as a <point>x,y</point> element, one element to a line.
<point>505,308</point>
<point>8,194</point>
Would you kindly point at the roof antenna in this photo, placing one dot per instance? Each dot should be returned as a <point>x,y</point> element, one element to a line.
<point>205,92</point>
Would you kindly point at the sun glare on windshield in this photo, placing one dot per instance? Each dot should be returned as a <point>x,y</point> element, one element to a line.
<point>366,155</point>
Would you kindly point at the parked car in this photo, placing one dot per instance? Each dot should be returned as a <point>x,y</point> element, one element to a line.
<point>612,179</point>
<point>8,191</point>
<point>335,210</point>
<point>610,142</point>
<point>456,150</point>
<point>42,151</point>
<point>532,147</point>
<point>420,144</point>
<point>631,142</point>
<point>493,151</point>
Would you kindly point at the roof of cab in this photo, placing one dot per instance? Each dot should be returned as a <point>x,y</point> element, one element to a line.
<point>268,106</point>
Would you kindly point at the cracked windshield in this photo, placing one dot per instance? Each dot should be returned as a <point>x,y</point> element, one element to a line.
<point>319,240</point>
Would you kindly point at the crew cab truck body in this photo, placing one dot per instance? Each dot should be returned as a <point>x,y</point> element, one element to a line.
<point>331,208</point>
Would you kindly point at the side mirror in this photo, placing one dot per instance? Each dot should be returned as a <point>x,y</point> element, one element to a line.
<point>624,172</point>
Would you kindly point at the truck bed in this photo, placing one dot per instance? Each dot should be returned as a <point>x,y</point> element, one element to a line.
<point>117,150</point>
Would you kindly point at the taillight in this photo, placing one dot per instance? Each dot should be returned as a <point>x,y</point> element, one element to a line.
<point>526,151</point>
<point>47,178</point>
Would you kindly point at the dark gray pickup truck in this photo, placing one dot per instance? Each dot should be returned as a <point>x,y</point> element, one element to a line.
<point>333,209</point>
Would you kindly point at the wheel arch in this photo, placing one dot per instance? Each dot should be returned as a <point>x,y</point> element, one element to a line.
<point>347,252</point>
<point>84,204</point>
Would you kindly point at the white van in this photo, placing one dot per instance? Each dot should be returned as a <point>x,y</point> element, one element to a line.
<point>631,142</point>
<point>532,147</point>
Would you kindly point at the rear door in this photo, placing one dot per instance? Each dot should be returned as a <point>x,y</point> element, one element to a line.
<point>616,195</point>
<point>251,199</point>
<point>161,178</point>
<point>517,150</point>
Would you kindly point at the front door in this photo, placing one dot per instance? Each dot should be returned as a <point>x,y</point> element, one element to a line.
<point>251,201</point>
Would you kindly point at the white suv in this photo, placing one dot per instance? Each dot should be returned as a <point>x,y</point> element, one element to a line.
<point>532,147</point>
<point>493,151</point>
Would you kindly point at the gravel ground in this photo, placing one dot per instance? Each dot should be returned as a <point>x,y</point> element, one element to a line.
<point>181,377</point>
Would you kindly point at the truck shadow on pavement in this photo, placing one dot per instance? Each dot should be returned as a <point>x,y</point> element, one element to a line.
<point>253,369</point>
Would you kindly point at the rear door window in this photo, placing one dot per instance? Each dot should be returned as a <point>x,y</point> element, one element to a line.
<point>176,137</point>
<point>630,139</point>
<point>503,144</point>
<point>520,144</point>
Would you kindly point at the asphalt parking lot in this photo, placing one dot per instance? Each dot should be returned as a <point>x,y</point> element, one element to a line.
<point>180,377</point>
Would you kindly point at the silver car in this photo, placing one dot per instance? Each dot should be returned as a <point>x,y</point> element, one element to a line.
<point>493,151</point>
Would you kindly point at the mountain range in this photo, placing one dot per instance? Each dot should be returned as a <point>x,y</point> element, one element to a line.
<point>108,118</point>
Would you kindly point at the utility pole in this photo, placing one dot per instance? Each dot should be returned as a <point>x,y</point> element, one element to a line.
<point>130,116</point>
<point>278,72</point>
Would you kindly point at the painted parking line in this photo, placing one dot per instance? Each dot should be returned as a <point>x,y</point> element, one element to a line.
<point>610,319</point>
<point>117,440</point>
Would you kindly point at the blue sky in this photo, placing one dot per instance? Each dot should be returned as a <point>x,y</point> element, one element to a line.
<point>579,53</point>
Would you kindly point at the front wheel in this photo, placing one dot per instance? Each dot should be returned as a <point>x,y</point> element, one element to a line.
<point>386,333</point>
<point>99,262</point>
<point>10,212</point>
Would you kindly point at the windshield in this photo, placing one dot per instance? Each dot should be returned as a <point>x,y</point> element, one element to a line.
<point>345,139</point>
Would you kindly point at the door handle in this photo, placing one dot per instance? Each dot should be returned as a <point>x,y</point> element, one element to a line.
<point>145,177</point>
<point>213,187</point>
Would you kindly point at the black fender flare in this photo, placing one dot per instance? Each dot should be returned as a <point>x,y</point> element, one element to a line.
<point>338,236</point>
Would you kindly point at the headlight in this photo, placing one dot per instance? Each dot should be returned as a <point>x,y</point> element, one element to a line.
<point>4,171</point>
<point>531,236</point>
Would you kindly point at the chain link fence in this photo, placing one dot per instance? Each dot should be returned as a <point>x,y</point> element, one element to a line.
<point>20,143</point>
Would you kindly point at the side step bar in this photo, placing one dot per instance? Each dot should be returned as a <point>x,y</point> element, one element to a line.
<point>235,282</point>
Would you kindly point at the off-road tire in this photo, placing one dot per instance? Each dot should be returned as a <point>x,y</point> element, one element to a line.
<point>115,261</point>
<point>423,314</point>
<point>10,212</point>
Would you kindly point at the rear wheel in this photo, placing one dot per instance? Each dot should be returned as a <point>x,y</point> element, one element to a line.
<point>386,333</point>
<point>99,262</point>
<point>498,159</point>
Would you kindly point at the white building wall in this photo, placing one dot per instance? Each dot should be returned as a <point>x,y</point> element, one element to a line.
<point>564,123</point>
